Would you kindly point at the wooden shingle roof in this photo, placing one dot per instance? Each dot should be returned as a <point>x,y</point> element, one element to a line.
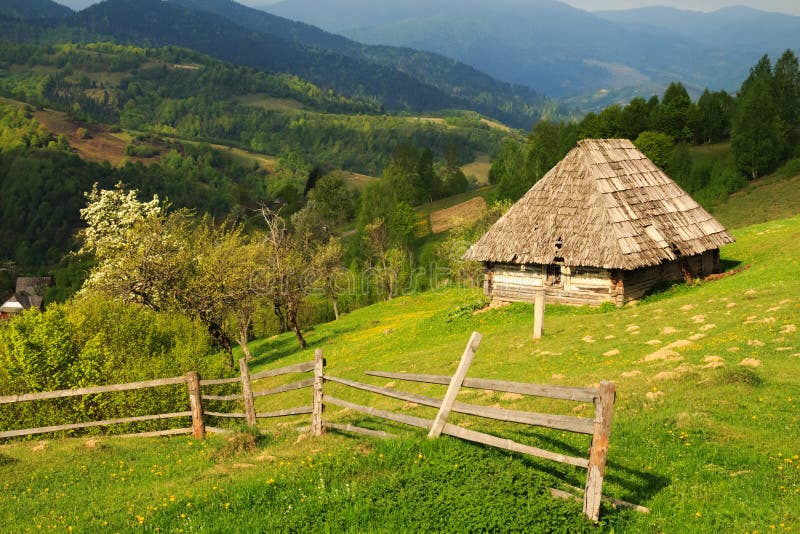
<point>604,205</point>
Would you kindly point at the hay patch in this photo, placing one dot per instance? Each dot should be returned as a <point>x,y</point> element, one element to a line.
<point>750,362</point>
<point>662,354</point>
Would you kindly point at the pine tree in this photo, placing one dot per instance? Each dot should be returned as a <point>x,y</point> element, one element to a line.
<point>787,95</point>
<point>756,136</point>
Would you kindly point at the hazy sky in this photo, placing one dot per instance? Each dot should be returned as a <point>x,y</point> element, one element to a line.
<point>782,6</point>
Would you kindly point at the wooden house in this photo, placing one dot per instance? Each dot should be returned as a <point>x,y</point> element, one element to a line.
<point>29,294</point>
<point>604,225</point>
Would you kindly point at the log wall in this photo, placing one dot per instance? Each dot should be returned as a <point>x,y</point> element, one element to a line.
<point>590,285</point>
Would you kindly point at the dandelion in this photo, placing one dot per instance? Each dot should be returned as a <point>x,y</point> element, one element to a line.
<point>227,505</point>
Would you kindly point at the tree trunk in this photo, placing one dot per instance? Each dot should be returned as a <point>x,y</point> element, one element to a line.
<point>280,313</point>
<point>223,341</point>
<point>243,343</point>
<point>335,309</point>
<point>296,328</point>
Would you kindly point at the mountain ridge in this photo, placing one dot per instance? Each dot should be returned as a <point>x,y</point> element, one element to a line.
<point>562,50</point>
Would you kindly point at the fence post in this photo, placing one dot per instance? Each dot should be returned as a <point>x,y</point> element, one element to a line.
<point>538,314</point>
<point>604,406</point>
<point>247,393</point>
<point>317,427</point>
<point>196,405</point>
<point>455,385</point>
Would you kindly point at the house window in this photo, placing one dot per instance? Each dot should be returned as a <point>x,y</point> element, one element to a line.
<point>554,278</point>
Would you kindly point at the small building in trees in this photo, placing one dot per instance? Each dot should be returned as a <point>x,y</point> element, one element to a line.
<point>29,294</point>
<point>604,225</point>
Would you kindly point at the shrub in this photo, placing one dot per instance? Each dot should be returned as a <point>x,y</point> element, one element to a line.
<point>141,151</point>
<point>88,342</point>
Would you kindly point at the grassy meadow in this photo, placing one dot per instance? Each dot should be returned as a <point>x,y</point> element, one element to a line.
<point>705,429</point>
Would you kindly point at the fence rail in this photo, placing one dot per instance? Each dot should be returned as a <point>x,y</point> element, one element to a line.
<point>11,399</point>
<point>598,427</point>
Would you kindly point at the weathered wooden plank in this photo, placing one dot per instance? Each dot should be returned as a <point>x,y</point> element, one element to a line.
<point>410,397</point>
<point>455,385</point>
<point>554,392</point>
<point>359,430</point>
<point>296,368</point>
<point>400,418</point>
<point>300,384</point>
<point>76,426</point>
<point>196,405</point>
<point>289,411</point>
<point>538,315</point>
<point>617,503</point>
<point>222,397</point>
<point>507,444</point>
<point>316,414</point>
<point>158,433</point>
<point>10,399</point>
<point>219,381</point>
<point>231,415</point>
<point>580,425</point>
<point>604,407</point>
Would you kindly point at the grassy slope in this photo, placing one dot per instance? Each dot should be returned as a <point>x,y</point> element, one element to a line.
<point>767,199</point>
<point>705,447</point>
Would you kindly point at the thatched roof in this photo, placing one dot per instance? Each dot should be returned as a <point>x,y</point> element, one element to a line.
<point>607,205</point>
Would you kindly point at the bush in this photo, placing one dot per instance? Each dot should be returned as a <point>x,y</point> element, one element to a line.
<point>89,342</point>
<point>141,151</point>
<point>790,168</point>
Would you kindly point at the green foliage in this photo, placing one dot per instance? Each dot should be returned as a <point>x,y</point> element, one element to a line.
<point>175,91</point>
<point>741,375</point>
<point>18,130</point>
<point>756,137</point>
<point>449,253</point>
<point>141,151</point>
<point>790,168</point>
<point>655,145</point>
<point>87,342</point>
<point>519,166</point>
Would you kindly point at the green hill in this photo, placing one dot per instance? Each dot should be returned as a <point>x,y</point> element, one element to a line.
<point>395,79</point>
<point>706,408</point>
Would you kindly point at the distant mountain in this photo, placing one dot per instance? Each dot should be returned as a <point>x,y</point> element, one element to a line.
<point>34,9</point>
<point>732,28</point>
<point>544,44</point>
<point>515,105</point>
<point>562,50</point>
<point>391,78</point>
<point>159,23</point>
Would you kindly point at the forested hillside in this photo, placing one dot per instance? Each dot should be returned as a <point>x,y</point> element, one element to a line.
<point>158,99</point>
<point>711,146</point>
<point>34,9</point>
<point>513,104</point>
<point>409,82</point>
<point>595,59</point>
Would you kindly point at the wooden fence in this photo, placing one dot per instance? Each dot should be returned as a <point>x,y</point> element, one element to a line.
<point>598,427</point>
